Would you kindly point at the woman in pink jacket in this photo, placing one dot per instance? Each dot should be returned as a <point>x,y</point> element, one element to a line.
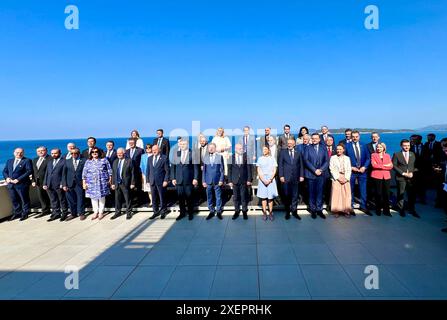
<point>381,175</point>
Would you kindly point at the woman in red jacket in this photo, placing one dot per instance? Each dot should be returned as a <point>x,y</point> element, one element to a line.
<point>381,175</point>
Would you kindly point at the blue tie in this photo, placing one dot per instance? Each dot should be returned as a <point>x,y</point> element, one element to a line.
<point>120,165</point>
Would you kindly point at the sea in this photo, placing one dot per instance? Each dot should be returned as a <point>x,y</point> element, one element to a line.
<point>392,140</point>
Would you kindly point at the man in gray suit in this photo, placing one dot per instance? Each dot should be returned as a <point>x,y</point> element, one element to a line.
<point>282,140</point>
<point>248,143</point>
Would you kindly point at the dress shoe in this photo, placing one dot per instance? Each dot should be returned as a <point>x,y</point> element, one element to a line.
<point>352,213</point>
<point>129,216</point>
<point>190,216</point>
<point>245,215</point>
<point>116,215</point>
<point>287,215</point>
<point>378,213</point>
<point>180,217</point>
<point>13,217</point>
<point>313,215</point>
<point>321,214</point>
<point>296,216</point>
<point>63,217</point>
<point>415,214</point>
<point>235,215</point>
<point>366,211</point>
<point>40,215</point>
<point>402,213</point>
<point>71,217</point>
<point>163,215</point>
<point>210,216</point>
<point>155,215</point>
<point>386,213</point>
<point>52,218</point>
<point>82,217</point>
<point>219,215</point>
<point>23,218</point>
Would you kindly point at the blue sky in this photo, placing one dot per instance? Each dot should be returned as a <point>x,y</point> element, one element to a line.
<point>150,64</point>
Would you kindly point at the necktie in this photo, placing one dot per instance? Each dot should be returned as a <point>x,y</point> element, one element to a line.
<point>238,161</point>
<point>159,142</point>
<point>329,150</point>
<point>75,164</point>
<point>357,153</point>
<point>39,162</point>
<point>55,163</point>
<point>316,148</point>
<point>120,168</point>
<point>245,143</point>
<point>155,160</point>
<point>16,162</point>
<point>212,159</point>
<point>291,154</point>
<point>184,154</point>
<point>406,156</point>
<point>109,154</point>
<point>132,152</point>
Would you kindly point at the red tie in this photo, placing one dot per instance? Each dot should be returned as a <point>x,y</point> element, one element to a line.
<point>329,151</point>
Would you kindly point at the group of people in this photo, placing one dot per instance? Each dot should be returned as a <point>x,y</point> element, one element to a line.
<point>310,167</point>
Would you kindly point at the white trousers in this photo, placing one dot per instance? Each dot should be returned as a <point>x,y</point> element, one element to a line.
<point>98,205</point>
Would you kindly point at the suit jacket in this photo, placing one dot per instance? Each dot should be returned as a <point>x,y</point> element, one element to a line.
<point>400,165</point>
<point>39,174</point>
<point>71,177</point>
<point>197,154</point>
<point>22,172</point>
<point>344,142</point>
<point>184,174</point>
<point>290,169</point>
<point>165,146</point>
<point>322,138</point>
<point>282,140</point>
<point>365,156</point>
<point>433,156</point>
<point>301,148</point>
<point>213,173</point>
<point>370,147</point>
<point>127,172</point>
<point>379,171</point>
<point>112,157</point>
<point>136,156</point>
<point>313,161</point>
<point>250,148</point>
<point>332,151</point>
<point>420,157</point>
<point>85,154</point>
<point>53,176</point>
<point>240,174</point>
<point>160,173</point>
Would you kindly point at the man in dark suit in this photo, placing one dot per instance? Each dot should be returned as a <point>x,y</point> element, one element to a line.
<point>291,172</point>
<point>53,185</point>
<point>39,170</point>
<point>162,143</point>
<point>158,176</point>
<point>17,174</point>
<point>184,176</point>
<point>316,164</point>
<point>135,153</point>
<point>91,143</point>
<point>325,134</point>
<point>212,180</point>
<point>347,138</point>
<point>240,177</point>
<point>283,138</point>
<point>404,166</point>
<point>110,152</point>
<point>72,184</point>
<point>199,153</point>
<point>123,182</point>
<point>417,148</point>
<point>360,162</point>
<point>264,140</point>
<point>303,186</point>
<point>375,139</point>
<point>70,146</point>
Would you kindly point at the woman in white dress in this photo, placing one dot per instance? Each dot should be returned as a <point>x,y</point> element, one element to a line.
<point>139,142</point>
<point>223,147</point>
<point>267,190</point>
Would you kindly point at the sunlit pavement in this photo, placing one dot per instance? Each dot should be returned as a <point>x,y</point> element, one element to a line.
<point>241,259</point>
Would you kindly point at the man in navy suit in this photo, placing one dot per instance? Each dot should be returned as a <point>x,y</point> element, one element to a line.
<point>135,153</point>
<point>360,162</point>
<point>17,174</point>
<point>162,143</point>
<point>158,177</point>
<point>184,176</point>
<point>240,177</point>
<point>291,172</point>
<point>123,182</point>
<point>212,180</point>
<point>325,134</point>
<point>316,162</point>
<point>110,152</point>
<point>72,184</point>
<point>53,185</point>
